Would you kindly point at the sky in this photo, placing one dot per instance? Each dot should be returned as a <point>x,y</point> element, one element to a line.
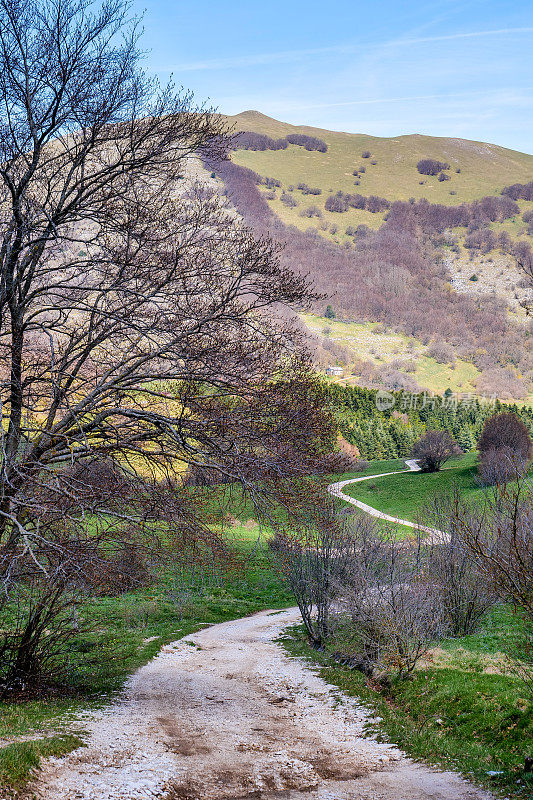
<point>386,68</point>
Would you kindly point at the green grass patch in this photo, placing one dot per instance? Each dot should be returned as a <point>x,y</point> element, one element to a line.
<point>370,342</point>
<point>20,760</point>
<point>456,718</point>
<point>406,495</point>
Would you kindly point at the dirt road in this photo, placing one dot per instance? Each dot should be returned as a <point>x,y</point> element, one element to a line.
<point>335,489</point>
<point>224,713</point>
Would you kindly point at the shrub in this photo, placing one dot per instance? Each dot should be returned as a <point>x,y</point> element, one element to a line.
<point>498,535</point>
<point>376,204</point>
<point>271,183</point>
<point>392,615</point>
<point>506,430</point>
<point>311,211</point>
<point>248,140</point>
<point>311,555</point>
<point>441,352</point>
<point>498,466</point>
<point>366,154</point>
<point>329,313</point>
<point>289,200</point>
<point>444,177</point>
<point>451,568</point>
<point>309,142</point>
<point>483,239</point>
<point>430,166</point>
<point>433,449</point>
<point>519,191</point>
<point>336,203</point>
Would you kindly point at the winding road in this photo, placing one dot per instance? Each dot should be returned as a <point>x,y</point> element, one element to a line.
<point>335,489</point>
<point>226,714</point>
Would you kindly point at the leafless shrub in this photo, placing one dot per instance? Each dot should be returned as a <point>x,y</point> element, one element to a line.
<point>311,211</point>
<point>309,142</point>
<point>450,566</point>
<point>498,466</point>
<point>506,430</point>
<point>311,555</point>
<point>430,166</point>
<point>519,191</point>
<point>441,352</point>
<point>272,183</point>
<point>394,614</point>
<point>248,140</point>
<point>433,449</point>
<point>498,535</point>
<point>289,201</point>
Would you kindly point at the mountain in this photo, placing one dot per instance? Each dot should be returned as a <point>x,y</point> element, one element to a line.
<point>485,168</point>
<point>411,309</point>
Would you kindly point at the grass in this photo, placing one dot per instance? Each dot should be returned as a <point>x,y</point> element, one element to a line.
<point>18,761</point>
<point>406,495</point>
<point>458,716</point>
<point>485,168</point>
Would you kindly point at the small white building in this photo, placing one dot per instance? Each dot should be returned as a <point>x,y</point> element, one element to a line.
<point>336,372</point>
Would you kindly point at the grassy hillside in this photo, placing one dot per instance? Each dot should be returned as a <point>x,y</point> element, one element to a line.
<point>485,168</point>
<point>406,494</point>
<point>370,342</point>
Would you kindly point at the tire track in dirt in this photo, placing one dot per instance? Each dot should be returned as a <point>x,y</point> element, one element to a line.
<point>225,713</point>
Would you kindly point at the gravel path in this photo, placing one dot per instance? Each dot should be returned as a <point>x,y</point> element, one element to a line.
<point>224,713</point>
<point>336,490</point>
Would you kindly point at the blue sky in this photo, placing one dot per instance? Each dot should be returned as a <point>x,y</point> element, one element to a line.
<point>385,68</point>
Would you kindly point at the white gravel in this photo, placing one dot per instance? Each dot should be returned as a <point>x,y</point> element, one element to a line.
<point>224,713</point>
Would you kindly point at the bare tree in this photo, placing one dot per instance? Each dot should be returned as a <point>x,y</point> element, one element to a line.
<point>137,318</point>
<point>433,449</point>
<point>450,568</point>
<point>498,536</point>
<point>311,552</point>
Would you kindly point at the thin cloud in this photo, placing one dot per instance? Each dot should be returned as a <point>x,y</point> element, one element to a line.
<point>295,55</point>
<point>467,35</point>
<point>512,93</point>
